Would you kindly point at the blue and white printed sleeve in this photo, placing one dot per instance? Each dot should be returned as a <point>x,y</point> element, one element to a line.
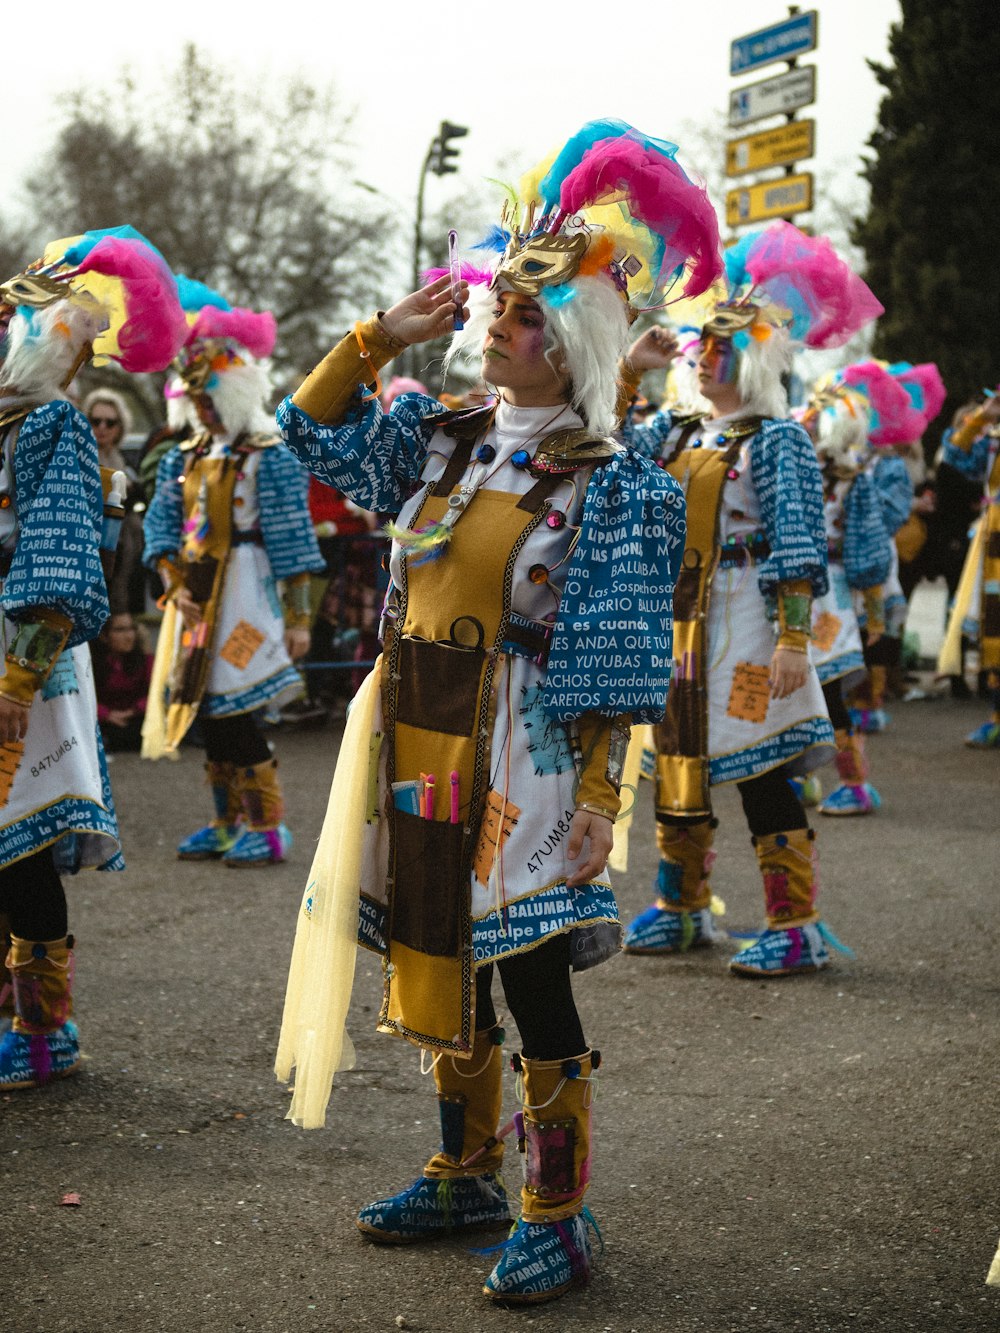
<point>867,543</point>
<point>648,437</point>
<point>789,487</point>
<point>971,462</point>
<point>895,490</point>
<point>60,510</point>
<point>165,516</point>
<point>372,456</point>
<point>283,497</point>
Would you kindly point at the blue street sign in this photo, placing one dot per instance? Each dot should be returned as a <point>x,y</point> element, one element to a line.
<point>782,41</point>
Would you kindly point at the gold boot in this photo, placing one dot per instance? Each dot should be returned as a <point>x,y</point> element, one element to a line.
<point>266,840</point>
<point>42,1043</point>
<point>219,834</point>
<point>549,1251</point>
<point>459,1189</point>
<point>794,939</point>
<point>681,917</point>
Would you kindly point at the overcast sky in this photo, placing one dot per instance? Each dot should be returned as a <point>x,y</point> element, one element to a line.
<point>521,77</point>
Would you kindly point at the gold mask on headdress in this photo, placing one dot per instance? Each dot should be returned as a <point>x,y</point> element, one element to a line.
<point>32,289</point>
<point>543,261</point>
<point>729,319</point>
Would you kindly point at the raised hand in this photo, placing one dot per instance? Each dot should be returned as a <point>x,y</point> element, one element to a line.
<point>426,314</point>
<point>653,350</point>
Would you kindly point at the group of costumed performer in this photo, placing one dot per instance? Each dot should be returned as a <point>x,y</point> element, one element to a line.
<point>746,704</point>
<point>228,522</point>
<point>101,295</point>
<point>972,447</point>
<point>528,626</point>
<point>850,416</point>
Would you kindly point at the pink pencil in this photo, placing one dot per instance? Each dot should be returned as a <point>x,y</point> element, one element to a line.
<point>454,797</point>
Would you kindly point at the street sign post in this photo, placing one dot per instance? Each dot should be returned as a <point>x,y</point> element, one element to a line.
<point>779,95</point>
<point>770,199</point>
<point>771,148</point>
<point>792,37</point>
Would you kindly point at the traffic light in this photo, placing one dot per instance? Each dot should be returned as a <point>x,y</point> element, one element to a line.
<point>439,158</point>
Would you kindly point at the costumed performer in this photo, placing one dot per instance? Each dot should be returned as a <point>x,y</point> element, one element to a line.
<point>229,520</point>
<point>745,703</point>
<point>102,295</point>
<point>528,624</point>
<point>847,416</point>
<point>973,448</point>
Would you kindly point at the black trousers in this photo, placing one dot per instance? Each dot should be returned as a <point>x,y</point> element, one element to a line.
<point>234,740</point>
<point>540,998</point>
<point>32,897</point>
<point>833,693</point>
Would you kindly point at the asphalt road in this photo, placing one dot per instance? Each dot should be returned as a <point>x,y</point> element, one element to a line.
<point>817,1153</point>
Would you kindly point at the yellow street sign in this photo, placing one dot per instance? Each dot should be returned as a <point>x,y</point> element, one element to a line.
<point>771,148</point>
<point>770,199</point>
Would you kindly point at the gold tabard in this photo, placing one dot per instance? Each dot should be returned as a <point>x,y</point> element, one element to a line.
<point>682,769</point>
<point>989,611</point>
<point>204,579</point>
<point>438,696</point>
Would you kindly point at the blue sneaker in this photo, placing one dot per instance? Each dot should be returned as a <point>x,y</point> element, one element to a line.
<point>540,1261</point>
<point>861,799</point>
<point>782,953</point>
<point>986,737</point>
<point>660,931</point>
<point>870,721</point>
<point>259,847</point>
<point>432,1208</point>
<point>28,1061</point>
<point>208,843</point>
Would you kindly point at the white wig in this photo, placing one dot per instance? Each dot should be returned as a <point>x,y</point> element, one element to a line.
<point>239,396</point>
<point>42,346</point>
<point>759,368</point>
<point>589,333</point>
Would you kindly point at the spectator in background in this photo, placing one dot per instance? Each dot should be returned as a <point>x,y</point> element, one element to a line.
<point>123,666</point>
<point>111,420</point>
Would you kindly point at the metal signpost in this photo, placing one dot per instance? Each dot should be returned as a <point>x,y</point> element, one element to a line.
<point>782,145</point>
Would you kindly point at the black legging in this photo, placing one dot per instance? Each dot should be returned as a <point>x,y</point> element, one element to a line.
<point>234,740</point>
<point>833,693</point>
<point>540,999</point>
<point>771,804</point>
<point>32,897</point>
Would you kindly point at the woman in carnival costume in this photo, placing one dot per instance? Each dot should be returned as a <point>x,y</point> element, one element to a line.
<point>228,521</point>
<point>849,415</point>
<point>105,294</point>
<point>528,625</point>
<point>746,704</point>
<point>972,447</point>
<point>925,394</point>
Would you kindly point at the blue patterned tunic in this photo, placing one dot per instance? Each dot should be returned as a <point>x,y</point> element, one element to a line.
<point>60,795</point>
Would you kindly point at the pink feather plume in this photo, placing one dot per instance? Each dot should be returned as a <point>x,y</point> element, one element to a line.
<point>154,328</point>
<point>806,274</point>
<point>475,277</point>
<point>256,332</point>
<point>894,418</point>
<point>656,192</point>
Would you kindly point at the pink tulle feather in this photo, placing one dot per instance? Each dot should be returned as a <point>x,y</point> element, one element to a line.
<point>798,270</point>
<point>155,328</point>
<point>256,332</point>
<point>898,421</point>
<point>657,193</point>
<point>928,377</point>
<point>475,277</point>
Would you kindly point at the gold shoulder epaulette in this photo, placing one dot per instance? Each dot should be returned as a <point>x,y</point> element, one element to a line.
<point>570,450</point>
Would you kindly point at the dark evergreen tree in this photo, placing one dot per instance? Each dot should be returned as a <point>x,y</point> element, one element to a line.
<point>931,234</point>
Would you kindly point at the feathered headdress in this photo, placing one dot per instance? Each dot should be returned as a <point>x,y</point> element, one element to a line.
<point>122,281</point>
<point>892,417</point>
<point>780,278</point>
<point>613,203</point>
<point>925,387</point>
<point>218,335</point>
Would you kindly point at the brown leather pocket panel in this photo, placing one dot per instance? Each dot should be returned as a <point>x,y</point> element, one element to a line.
<point>439,686</point>
<point>199,575</point>
<point>428,893</point>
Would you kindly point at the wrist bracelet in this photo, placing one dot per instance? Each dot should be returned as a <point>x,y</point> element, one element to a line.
<point>366,356</point>
<point>601,810</point>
